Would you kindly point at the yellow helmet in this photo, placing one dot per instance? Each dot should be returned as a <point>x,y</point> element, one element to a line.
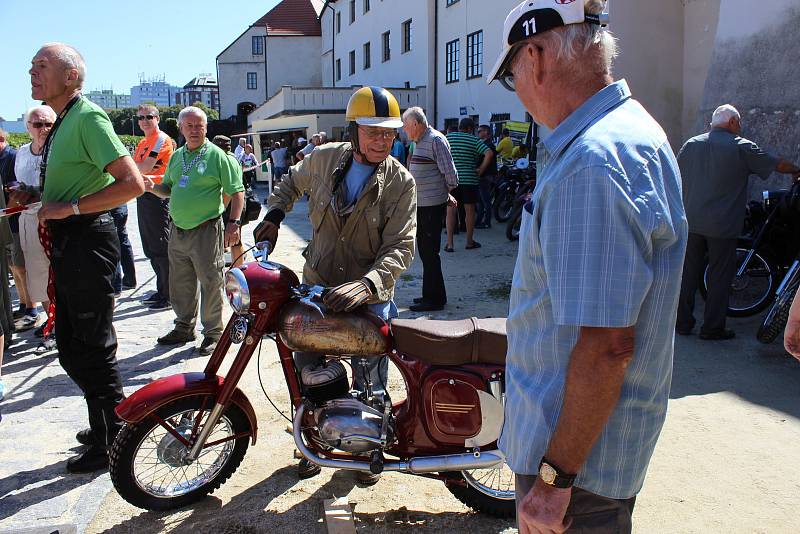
<point>374,106</point>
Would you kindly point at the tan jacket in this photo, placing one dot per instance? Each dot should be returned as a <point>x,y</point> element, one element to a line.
<point>377,240</point>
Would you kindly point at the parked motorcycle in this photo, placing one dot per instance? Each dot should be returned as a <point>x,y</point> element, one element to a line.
<point>766,252</point>
<point>515,221</point>
<point>508,188</point>
<point>184,435</point>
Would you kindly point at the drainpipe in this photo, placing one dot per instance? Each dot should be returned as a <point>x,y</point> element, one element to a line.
<point>333,46</point>
<point>266,76</point>
<point>435,63</point>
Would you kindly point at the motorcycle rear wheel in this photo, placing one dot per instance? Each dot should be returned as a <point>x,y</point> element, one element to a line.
<point>145,460</point>
<point>489,491</point>
<point>775,320</point>
<point>503,204</point>
<point>751,292</point>
<point>514,223</point>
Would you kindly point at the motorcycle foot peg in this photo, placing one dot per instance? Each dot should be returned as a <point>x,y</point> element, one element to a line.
<point>376,463</point>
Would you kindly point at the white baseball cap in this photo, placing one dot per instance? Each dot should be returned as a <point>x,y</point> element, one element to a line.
<point>301,139</point>
<point>532,17</point>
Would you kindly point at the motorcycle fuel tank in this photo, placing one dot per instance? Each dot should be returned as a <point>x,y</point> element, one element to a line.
<point>308,327</point>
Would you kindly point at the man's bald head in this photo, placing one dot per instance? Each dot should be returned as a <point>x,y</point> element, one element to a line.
<point>69,58</point>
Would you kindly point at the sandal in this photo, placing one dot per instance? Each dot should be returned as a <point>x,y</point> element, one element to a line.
<point>448,249</point>
<point>474,244</point>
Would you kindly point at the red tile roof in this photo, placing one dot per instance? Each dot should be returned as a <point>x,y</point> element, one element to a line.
<point>291,17</point>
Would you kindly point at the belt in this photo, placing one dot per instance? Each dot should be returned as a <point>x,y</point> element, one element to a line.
<point>76,220</point>
<point>199,226</point>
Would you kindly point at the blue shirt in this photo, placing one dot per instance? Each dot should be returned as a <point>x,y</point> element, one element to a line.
<point>601,245</point>
<point>356,178</point>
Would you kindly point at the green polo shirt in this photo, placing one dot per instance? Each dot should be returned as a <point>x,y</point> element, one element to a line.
<point>198,197</point>
<point>84,144</point>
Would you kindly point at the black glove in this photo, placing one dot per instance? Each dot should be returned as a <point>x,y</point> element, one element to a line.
<point>347,296</point>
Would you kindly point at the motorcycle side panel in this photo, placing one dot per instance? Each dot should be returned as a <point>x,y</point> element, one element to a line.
<point>452,405</point>
<point>165,390</point>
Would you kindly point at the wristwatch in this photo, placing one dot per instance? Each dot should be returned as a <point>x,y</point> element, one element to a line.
<point>237,222</point>
<point>74,205</point>
<point>553,476</point>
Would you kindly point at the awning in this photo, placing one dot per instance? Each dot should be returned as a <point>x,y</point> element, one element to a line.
<point>273,131</point>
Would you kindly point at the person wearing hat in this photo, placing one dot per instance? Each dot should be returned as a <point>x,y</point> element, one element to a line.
<point>595,289</point>
<point>362,206</point>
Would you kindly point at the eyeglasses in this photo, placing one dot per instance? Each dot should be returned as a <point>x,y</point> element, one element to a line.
<point>38,124</point>
<point>148,117</point>
<point>378,134</point>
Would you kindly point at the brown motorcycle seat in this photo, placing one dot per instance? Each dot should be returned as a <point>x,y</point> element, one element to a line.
<point>452,342</point>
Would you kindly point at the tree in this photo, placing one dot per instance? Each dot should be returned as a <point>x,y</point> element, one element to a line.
<point>125,123</point>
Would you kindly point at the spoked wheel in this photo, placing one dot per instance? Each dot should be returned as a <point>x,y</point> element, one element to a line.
<point>513,225</point>
<point>503,204</point>
<point>753,290</point>
<point>490,491</point>
<point>777,316</point>
<point>147,461</point>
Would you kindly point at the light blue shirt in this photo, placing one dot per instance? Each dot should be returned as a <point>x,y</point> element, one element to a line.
<point>602,245</point>
<point>356,178</point>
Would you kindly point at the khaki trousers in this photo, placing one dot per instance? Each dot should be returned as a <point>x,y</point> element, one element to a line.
<point>197,255</point>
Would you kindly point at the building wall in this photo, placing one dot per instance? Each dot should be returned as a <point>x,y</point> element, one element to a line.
<point>753,69</point>
<point>292,61</point>
<point>700,29</point>
<point>159,93</point>
<point>456,22</point>
<point>410,68</point>
<point>233,64</point>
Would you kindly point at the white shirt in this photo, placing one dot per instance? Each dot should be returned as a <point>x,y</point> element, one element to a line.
<point>26,167</point>
<point>239,152</point>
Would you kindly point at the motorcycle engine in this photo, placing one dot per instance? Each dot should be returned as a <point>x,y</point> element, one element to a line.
<point>350,425</point>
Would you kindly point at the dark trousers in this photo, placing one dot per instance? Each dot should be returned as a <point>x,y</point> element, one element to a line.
<point>590,513</point>
<point>429,242</point>
<point>85,257</point>
<point>721,270</point>
<point>6,310</point>
<point>125,272</point>
<point>485,204</point>
<point>154,228</point>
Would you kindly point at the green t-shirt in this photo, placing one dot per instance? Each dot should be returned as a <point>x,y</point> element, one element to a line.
<point>84,144</point>
<point>466,148</point>
<point>196,196</point>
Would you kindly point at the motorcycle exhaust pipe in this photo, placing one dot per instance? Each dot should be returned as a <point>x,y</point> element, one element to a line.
<point>421,465</point>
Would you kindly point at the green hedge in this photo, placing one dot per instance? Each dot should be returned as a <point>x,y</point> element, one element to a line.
<point>16,140</point>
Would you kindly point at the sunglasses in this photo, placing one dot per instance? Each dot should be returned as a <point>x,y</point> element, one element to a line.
<point>148,117</point>
<point>37,124</point>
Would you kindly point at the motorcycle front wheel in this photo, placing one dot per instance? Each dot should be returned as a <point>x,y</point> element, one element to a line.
<point>775,320</point>
<point>489,491</point>
<point>147,464</point>
<point>503,203</point>
<point>752,291</point>
<point>514,223</point>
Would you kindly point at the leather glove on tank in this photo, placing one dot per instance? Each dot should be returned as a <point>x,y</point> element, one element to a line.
<point>347,296</point>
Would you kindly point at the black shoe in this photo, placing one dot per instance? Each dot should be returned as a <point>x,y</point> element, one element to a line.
<point>718,336</point>
<point>207,346</point>
<point>426,307</point>
<point>154,297</point>
<point>86,437</point>
<point>683,331</point>
<point>39,332</point>
<point>474,245</point>
<point>92,459</point>
<point>161,305</point>
<point>418,300</point>
<point>48,344</point>
<point>367,479</point>
<point>128,285</point>
<point>306,469</point>
<point>176,337</point>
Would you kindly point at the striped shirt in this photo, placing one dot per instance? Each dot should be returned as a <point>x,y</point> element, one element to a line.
<point>433,169</point>
<point>466,149</point>
<point>601,245</point>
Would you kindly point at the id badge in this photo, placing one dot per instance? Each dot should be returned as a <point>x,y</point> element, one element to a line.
<point>184,181</point>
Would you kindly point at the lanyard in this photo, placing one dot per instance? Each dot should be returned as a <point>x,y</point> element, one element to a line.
<point>49,140</point>
<point>188,168</point>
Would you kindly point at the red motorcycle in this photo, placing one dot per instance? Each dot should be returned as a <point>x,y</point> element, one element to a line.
<point>185,434</point>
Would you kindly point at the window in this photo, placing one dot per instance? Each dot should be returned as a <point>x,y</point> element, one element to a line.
<point>258,45</point>
<point>387,51</point>
<point>338,69</point>
<point>451,2</point>
<point>452,62</point>
<point>252,80</point>
<point>352,62</point>
<point>352,11</point>
<point>366,6</point>
<point>367,54</point>
<point>475,55</point>
<point>407,36</point>
<point>339,22</point>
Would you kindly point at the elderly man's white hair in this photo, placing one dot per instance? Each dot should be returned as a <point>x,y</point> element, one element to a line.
<point>70,58</point>
<point>416,113</point>
<point>192,110</point>
<point>723,115</point>
<point>594,44</point>
<point>45,109</point>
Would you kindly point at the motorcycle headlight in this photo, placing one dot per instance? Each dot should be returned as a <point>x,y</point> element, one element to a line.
<point>237,291</point>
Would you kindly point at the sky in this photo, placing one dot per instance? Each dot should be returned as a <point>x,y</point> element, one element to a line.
<point>119,40</point>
